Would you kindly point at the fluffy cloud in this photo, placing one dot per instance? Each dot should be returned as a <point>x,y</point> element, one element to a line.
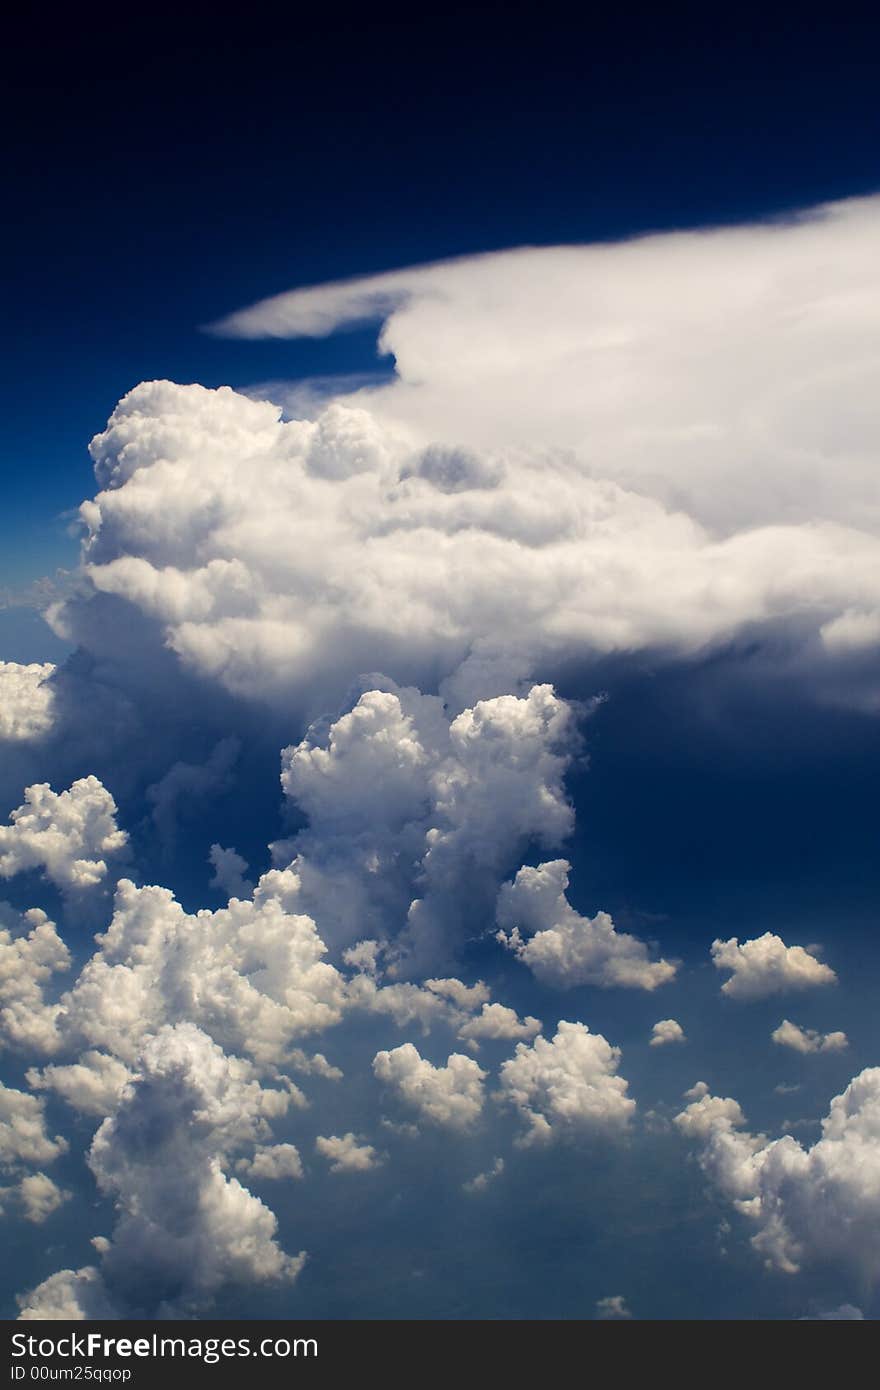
<point>25,700</point>
<point>766,966</point>
<point>807,1204</point>
<point>251,974</point>
<point>567,1085</point>
<point>414,818</point>
<point>667,1030</point>
<point>272,1161</point>
<point>24,1139</point>
<point>183,1227</point>
<point>564,949</point>
<point>450,1096</point>
<point>93,1085</point>
<point>69,835</point>
<point>496,1022</point>
<point>28,960</point>
<point>68,1296</point>
<point>40,1196</point>
<point>806,1040</point>
<point>345,1154</point>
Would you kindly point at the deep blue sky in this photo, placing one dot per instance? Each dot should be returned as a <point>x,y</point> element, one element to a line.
<point>165,167</point>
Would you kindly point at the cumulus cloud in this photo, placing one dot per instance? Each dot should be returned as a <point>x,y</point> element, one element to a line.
<point>40,1197</point>
<point>497,1022</point>
<point>415,818</point>
<point>450,1096</point>
<point>183,1226</point>
<point>667,1030</point>
<point>24,1138</point>
<point>346,1154</point>
<point>68,1296</point>
<point>28,960</point>
<point>766,966</point>
<point>272,1161</point>
<point>564,949</point>
<point>93,1085</point>
<point>807,1040</point>
<point>807,1204</point>
<point>567,1085</point>
<point>69,835</point>
<point>25,700</point>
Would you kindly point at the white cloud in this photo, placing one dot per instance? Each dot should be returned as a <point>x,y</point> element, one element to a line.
<point>69,835</point>
<point>346,1154</point>
<point>564,949</point>
<point>28,960</point>
<point>252,974</point>
<point>497,1022</point>
<point>183,1227</point>
<point>68,1296</point>
<point>667,1030</point>
<point>92,1085</point>
<point>567,1085</point>
<point>450,1096</point>
<point>613,1308</point>
<point>414,818</point>
<point>24,1138</point>
<point>40,1197</point>
<point>808,1204</point>
<point>726,370</point>
<point>25,700</point>
<point>806,1040</point>
<point>272,1161</point>
<point>766,966</point>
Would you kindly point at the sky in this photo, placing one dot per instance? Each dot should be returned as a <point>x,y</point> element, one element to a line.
<point>438,669</point>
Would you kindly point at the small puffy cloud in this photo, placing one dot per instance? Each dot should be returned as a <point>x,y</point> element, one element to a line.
<point>613,1308</point>
<point>272,1161</point>
<point>25,700</point>
<point>498,1022</point>
<point>450,1096</point>
<point>69,835</point>
<point>346,1154</point>
<point>564,949</point>
<point>28,960</point>
<point>568,1085</point>
<point>807,1040</point>
<point>808,1205</point>
<point>24,1139</point>
<point>846,1312</point>
<point>667,1030</point>
<point>40,1196</point>
<point>766,966</point>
